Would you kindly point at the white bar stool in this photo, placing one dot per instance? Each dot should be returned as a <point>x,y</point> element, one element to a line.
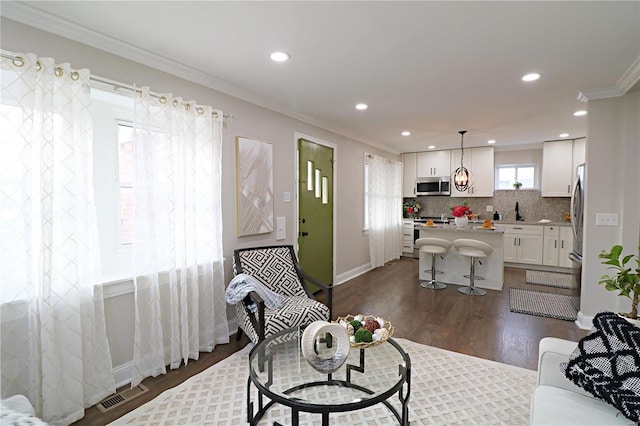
<point>433,246</point>
<point>474,249</point>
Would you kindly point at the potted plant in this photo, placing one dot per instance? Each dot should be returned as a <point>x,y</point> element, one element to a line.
<point>625,280</point>
<point>517,185</point>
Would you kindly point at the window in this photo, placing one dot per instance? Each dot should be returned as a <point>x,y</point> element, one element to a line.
<point>507,175</point>
<point>366,191</point>
<point>125,178</point>
<point>112,180</point>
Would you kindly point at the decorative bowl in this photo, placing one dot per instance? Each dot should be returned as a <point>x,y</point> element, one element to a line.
<point>384,332</point>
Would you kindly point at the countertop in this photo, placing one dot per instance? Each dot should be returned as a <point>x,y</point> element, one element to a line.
<point>513,222</point>
<point>469,228</point>
<point>527,222</point>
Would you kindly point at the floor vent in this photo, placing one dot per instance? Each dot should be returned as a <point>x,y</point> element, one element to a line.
<point>121,397</point>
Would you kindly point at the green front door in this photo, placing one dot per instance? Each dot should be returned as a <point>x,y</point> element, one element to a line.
<point>315,210</point>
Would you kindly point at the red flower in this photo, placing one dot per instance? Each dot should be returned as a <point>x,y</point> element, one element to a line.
<point>459,211</point>
<point>410,210</point>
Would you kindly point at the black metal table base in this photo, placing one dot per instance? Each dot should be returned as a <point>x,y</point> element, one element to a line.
<point>298,405</point>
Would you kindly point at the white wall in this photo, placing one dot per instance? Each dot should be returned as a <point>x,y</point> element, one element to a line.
<point>250,120</point>
<point>612,186</point>
<point>523,156</point>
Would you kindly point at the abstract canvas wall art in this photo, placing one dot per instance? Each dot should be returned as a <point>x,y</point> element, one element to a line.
<point>254,168</point>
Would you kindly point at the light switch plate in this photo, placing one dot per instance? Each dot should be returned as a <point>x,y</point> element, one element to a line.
<point>287,197</point>
<point>489,208</point>
<point>606,219</point>
<point>281,228</point>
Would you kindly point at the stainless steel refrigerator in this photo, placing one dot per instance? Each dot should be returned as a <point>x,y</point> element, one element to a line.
<point>577,225</point>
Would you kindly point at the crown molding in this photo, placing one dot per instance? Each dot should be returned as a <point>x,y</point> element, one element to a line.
<point>626,82</point>
<point>34,17</point>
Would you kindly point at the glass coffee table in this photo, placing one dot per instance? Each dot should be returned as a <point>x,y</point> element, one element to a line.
<point>369,376</point>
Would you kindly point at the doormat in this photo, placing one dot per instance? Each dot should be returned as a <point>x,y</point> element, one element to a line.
<point>549,279</point>
<point>542,304</point>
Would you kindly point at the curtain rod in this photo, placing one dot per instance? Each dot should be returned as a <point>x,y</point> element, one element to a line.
<point>115,86</point>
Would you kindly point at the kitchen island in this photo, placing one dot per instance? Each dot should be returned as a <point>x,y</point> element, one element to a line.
<point>455,266</point>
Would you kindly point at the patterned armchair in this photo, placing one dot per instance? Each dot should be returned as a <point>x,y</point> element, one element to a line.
<point>277,268</point>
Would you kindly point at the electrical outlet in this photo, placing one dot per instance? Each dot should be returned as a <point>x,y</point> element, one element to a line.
<point>489,208</point>
<point>606,219</point>
<point>287,197</point>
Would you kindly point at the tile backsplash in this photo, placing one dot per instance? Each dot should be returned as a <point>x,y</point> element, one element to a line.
<point>532,205</point>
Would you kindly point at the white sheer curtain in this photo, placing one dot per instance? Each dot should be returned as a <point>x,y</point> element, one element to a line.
<point>384,192</point>
<point>54,343</point>
<point>180,306</point>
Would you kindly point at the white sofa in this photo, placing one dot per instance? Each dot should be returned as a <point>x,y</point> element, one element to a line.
<point>16,410</point>
<point>557,401</point>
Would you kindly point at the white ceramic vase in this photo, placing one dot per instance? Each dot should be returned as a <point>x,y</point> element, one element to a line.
<point>461,222</point>
<point>323,359</point>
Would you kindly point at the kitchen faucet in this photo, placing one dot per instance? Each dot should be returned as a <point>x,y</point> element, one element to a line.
<point>518,217</point>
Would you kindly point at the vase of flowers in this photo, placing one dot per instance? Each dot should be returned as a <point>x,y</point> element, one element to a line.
<point>461,214</point>
<point>410,208</point>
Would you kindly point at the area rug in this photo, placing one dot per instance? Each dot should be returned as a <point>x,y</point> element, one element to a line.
<point>446,388</point>
<point>542,304</point>
<point>549,279</point>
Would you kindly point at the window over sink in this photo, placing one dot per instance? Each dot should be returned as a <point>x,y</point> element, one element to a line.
<point>508,175</point>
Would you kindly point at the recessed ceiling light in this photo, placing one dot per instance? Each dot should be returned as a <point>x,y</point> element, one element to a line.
<point>362,107</point>
<point>531,77</point>
<point>432,147</point>
<point>406,133</point>
<point>491,141</point>
<point>280,56</point>
<point>563,135</point>
<point>580,113</point>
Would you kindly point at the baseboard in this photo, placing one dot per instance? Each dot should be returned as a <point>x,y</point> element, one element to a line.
<point>538,267</point>
<point>584,322</point>
<point>346,276</point>
<point>232,324</point>
<point>122,374</point>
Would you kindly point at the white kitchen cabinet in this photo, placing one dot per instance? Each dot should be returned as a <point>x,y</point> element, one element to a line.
<point>559,161</point>
<point>551,246</point>
<point>482,162</point>
<point>409,174</point>
<point>433,163</point>
<point>407,237</point>
<point>566,245</point>
<point>479,161</point>
<point>523,244</point>
<point>557,245</point>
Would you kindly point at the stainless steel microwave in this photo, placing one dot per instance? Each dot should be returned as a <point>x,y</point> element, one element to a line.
<point>433,186</point>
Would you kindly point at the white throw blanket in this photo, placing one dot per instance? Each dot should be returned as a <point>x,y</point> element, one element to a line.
<point>243,284</point>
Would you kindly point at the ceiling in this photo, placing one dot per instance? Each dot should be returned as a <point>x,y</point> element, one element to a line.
<point>432,68</point>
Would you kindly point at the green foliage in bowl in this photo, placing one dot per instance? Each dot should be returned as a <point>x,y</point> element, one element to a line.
<point>363,336</point>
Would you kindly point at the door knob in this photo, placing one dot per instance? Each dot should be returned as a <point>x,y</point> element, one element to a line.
<point>303,234</point>
<point>301,220</point>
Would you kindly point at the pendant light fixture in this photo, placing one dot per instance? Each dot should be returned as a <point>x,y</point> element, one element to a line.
<point>462,176</point>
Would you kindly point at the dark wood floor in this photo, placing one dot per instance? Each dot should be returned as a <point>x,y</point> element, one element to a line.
<point>478,326</point>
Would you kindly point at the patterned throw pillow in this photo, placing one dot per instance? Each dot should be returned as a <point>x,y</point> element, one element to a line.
<point>606,363</point>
